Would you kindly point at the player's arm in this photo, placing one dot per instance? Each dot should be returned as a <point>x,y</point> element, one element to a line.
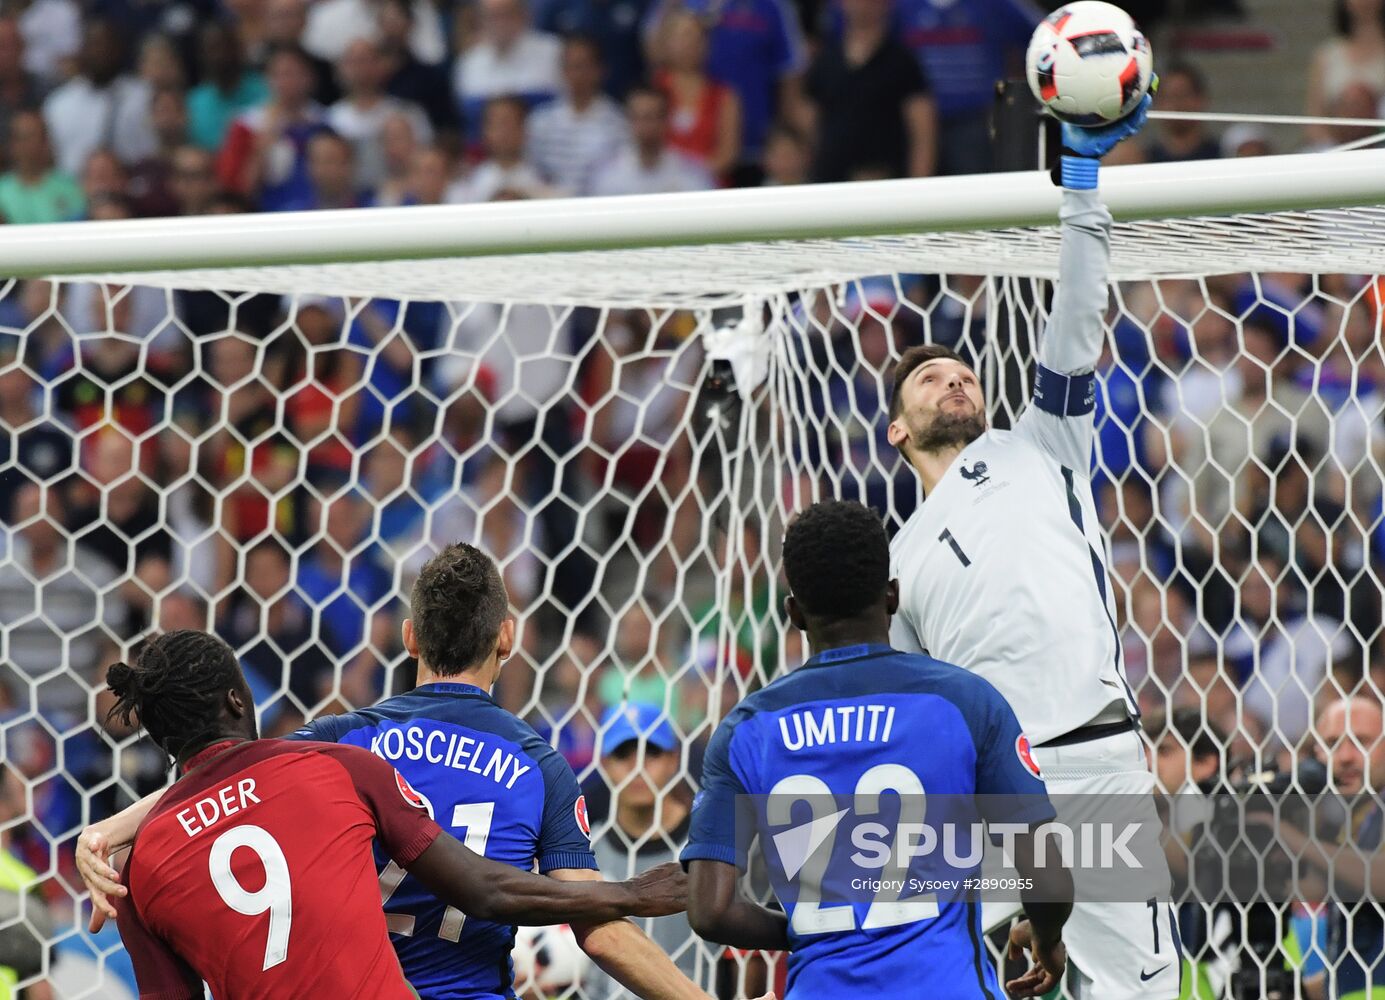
<point>718,838</point>
<point>1059,417</point>
<point>622,950</point>
<point>95,847</point>
<point>718,910</point>
<point>1047,906</point>
<point>627,955</point>
<point>491,890</point>
<point>486,889</point>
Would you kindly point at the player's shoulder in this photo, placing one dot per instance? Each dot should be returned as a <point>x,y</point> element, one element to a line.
<point>948,680</point>
<point>889,671</point>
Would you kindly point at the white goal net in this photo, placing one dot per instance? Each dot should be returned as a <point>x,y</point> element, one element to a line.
<point>273,451</point>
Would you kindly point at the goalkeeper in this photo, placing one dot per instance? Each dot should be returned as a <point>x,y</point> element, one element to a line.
<point>1002,569</point>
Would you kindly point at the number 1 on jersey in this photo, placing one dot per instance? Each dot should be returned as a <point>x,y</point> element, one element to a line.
<point>946,536</point>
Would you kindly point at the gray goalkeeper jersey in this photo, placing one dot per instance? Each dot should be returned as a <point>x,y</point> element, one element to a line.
<point>1002,568</point>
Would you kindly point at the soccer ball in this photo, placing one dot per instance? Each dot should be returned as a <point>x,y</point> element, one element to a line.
<point>1089,64</point>
<point>548,960</point>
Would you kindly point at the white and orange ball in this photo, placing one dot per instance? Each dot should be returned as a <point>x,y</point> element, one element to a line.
<point>1089,64</point>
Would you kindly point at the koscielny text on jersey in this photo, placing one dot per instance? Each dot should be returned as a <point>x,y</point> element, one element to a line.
<point>451,750</point>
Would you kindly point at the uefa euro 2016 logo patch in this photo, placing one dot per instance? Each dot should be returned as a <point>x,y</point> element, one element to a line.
<point>411,796</point>
<point>579,809</point>
<point>1026,756</point>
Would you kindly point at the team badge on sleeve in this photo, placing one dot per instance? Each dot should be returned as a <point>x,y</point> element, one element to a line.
<point>579,810</point>
<point>1026,756</point>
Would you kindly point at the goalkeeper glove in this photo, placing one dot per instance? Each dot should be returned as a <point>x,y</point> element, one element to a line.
<point>1083,148</point>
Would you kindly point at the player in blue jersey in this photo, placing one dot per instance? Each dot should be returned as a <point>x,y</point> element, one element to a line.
<point>485,776</point>
<point>925,724</point>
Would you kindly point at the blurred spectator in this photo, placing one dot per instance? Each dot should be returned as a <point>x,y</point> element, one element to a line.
<point>1355,56</point>
<point>339,575</point>
<point>335,24</point>
<point>285,21</point>
<point>52,32</point>
<point>1355,101</point>
<point>271,628</point>
<point>228,86</point>
<point>430,175</point>
<point>40,448</point>
<point>641,758</point>
<point>1245,140</point>
<point>648,165</point>
<point>104,176</point>
<point>1281,654</point>
<point>572,136</point>
<point>399,151</point>
<point>72,587</point>
<point>509,59</point>
<point>614,27</point>
<point>193,181</point>
<point>868,102</point>
<point>360,115</point>
<point>755,47</point>
<point>1183,88</point>
<point>704,115</point>
<point>408,77</point>
<point>1351,742</point>
<point>160,67</point>
<point>19,89</point>
<point>787,156</point>
<point>505,174</point>
<point>101,107</point>
<point>151,180</point>
<point>117,513</point>
<point>266,150</point>
<point>34,190</point>
<point>964,48</point>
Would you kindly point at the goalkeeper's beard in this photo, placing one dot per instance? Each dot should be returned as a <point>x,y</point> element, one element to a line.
<point>949,430</point>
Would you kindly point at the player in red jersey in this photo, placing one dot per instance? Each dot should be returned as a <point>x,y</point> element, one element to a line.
<point>254,872</point>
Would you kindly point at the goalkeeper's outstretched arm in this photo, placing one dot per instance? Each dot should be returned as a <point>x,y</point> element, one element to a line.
<point>1059,418</point>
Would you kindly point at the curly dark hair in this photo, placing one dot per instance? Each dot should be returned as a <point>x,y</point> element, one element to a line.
<point>911,360</point>
<point>458,604</point>
<point>175,689</point>
<point>837,559</point>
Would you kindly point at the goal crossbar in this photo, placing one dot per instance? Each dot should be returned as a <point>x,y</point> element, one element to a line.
<point>1305,212</point>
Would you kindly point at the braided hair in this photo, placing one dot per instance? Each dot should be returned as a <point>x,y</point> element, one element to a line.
<point>175,689</point>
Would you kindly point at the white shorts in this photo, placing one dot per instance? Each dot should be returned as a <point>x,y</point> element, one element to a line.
<point>1117,950</point>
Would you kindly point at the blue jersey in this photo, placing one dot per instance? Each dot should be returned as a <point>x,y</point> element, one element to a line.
<point>493,783</point>
<point>842,720</point>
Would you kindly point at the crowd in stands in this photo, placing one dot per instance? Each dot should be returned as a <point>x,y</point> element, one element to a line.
<point>267,466</point>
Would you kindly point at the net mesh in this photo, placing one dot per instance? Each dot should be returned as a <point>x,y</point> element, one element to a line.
<point>691,277</point>
<point>277,462</point>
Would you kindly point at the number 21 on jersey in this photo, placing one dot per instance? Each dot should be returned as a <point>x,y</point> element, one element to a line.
<point>476,817</point>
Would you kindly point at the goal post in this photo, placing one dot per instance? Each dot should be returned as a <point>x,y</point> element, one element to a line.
<point>265,424</point>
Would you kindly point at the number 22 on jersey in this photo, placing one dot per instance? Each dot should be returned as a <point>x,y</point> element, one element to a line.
<point>886,909</point>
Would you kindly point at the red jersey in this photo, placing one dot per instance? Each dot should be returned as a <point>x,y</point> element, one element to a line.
<point>255,873</point>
